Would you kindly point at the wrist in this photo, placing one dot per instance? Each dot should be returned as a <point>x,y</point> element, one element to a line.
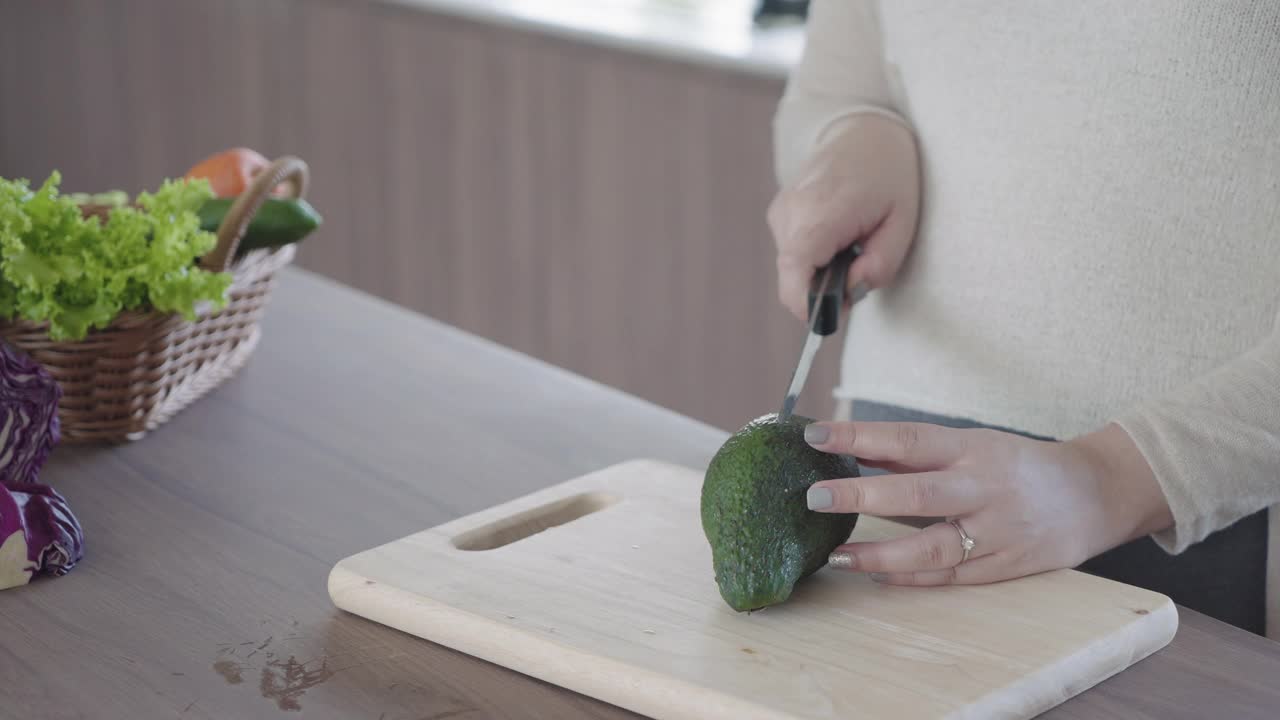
<point>859,121</point>
<point>1133,503</point>
<point>871,126</point>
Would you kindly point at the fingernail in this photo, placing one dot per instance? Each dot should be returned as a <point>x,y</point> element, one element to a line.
<point>859,292</point>
<point>819,498</point>
<point>816,434</point>
<point>877,577</point>
<point>840,559</point>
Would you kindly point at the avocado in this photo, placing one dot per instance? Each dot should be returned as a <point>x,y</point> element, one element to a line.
<point>763,537</point>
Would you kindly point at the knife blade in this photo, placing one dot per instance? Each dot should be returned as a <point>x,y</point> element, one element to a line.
<point>826,299</point>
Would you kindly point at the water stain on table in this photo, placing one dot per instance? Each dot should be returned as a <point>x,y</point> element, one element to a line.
<point>286,681</point>
<point>230,670</point>
<point>283,681</point>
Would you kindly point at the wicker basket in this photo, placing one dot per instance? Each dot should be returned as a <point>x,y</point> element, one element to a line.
<point>122,381</point>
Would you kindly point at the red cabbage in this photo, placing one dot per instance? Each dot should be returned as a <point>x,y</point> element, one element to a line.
<point>38,532</point>
<point>29,426</point>
<point>15,566</point>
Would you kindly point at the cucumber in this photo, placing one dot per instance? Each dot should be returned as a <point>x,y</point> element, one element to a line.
<point>278,222</point>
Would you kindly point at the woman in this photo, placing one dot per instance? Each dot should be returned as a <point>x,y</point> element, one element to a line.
<point>1071,222</point>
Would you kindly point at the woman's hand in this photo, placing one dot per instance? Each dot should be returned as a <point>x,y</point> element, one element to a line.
<point>1029,505</point>
<point>862,183</point>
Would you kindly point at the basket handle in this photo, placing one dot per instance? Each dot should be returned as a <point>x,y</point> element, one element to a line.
<point>284,169</point>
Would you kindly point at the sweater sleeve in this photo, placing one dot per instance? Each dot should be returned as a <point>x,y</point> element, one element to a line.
<point>1214,444</point>
<point>840,73</point>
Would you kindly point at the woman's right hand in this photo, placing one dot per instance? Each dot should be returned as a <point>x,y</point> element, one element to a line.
<point>862,183</point>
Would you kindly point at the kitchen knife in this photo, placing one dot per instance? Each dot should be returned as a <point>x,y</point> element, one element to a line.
<point>826,299</point>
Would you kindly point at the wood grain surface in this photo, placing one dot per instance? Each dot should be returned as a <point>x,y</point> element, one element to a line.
<point>604,584</point>
<point>203,592</point>
<point>598,209</point>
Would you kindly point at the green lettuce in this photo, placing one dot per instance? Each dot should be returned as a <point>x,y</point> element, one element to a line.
<point>78,273</point>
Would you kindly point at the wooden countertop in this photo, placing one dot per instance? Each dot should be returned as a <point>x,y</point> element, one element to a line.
<point>202,594</point>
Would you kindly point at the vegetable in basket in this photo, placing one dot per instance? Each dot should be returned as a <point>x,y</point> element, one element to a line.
<point>39,534</point>
<point>78,272</point>
<point>231,171</point>
<point>279,221</point>
<point>109,199</point>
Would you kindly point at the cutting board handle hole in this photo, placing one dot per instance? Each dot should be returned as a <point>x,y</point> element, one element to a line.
<point>531,522</point>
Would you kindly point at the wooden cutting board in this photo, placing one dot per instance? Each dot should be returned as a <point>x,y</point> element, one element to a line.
<point>603,585</point>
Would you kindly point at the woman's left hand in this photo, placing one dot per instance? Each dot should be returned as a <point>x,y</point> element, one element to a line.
<point>1029,505</point>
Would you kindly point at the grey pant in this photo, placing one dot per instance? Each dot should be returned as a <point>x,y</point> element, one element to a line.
<point>1223,577</point>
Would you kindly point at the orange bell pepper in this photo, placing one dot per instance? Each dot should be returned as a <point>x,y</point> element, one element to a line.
<point>231,171</point>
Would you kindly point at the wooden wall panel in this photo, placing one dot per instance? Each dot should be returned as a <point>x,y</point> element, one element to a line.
<point>598,209</point>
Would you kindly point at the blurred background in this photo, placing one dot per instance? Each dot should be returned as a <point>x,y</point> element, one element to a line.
<point>584,181</point>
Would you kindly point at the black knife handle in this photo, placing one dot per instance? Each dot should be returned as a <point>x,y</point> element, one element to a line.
<point>832,300</point>
<point>781,8</point>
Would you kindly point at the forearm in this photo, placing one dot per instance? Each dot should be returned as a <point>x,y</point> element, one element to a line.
<point>840,74</point>
<point>1133,504</point>
<point>1213,446</point>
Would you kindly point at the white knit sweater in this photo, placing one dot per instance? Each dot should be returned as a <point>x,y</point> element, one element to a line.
<point>1100,237</point>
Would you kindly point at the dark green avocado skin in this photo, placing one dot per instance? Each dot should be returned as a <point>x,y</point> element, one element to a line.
<point>763,537</point>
